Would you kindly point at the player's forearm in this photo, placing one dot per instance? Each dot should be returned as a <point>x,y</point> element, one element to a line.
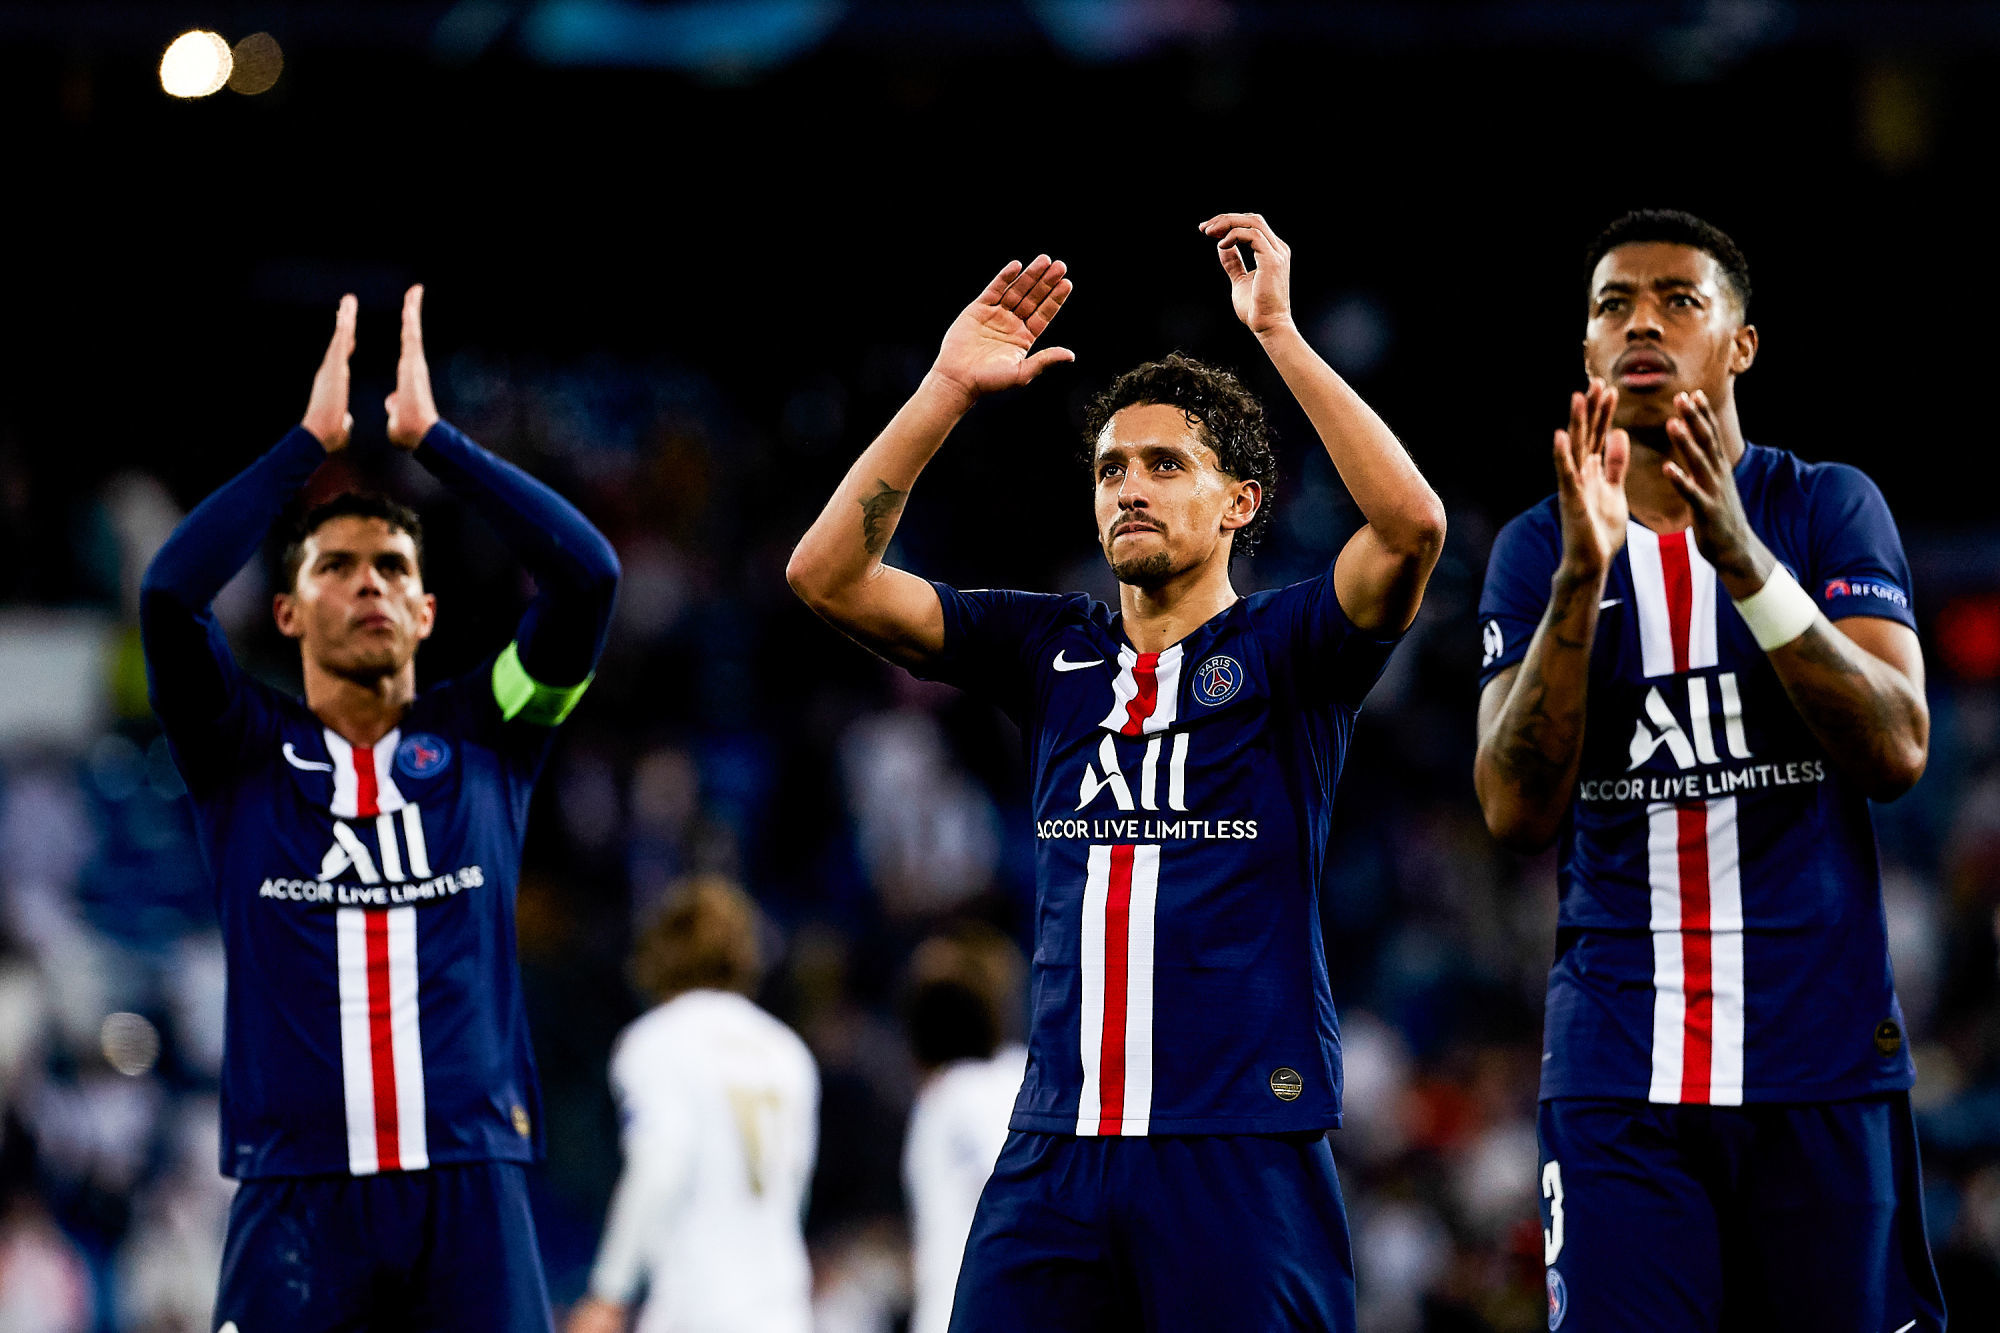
<point>576,572</point>
<point>843,548</point>
<point>1399,505</point>
<point>225,530</point>
<point>1526,766</point>
<point>1872,720</point>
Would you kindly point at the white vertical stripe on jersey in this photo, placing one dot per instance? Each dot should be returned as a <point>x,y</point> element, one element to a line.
<point>357,1070</point>
<point>1166,705</point>
<point>1138,1109</point>
<point>1090,985</point>
<point>1649,592</point>
<point>1725,916</point>
<point>1701,614</point>
<point>346,803</point>
<point>406,1041</point>
<point>1663,877</point>
<point>388,797</point>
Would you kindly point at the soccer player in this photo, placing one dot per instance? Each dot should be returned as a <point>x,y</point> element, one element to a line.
<point>962,1011</point>
<point>1168,1167</point>
<point>1700,665</point>
<point>378,1095</point>
<point>720,1107</point>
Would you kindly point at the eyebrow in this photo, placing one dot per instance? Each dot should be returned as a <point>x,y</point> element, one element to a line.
<point>1616,288</point>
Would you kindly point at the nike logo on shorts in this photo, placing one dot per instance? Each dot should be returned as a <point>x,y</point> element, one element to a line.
<point>1609,602</point>
<point>1064,664</point>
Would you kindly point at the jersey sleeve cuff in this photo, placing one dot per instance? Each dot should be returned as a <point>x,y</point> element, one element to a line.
<point>521,696</point>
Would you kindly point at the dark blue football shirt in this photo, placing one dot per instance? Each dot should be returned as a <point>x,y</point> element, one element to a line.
<point>1181,801</point>
<point>1721,936</point>
<point>374,1017</point>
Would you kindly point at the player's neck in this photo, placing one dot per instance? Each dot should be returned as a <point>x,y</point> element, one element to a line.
<point>360,710</point>
<point>1160,615</point>
<point>1653,499</point>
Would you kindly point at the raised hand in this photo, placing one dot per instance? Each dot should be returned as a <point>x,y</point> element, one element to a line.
<point>412,410</point>
<point>1708,483</point>
<point>1591,459</point>
<point>986,348</point>
<point>1263,295</point>
<point>326,415</point>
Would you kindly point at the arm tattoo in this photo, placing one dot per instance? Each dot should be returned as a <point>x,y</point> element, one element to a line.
<point>879,513</point>
<point>1539,739</point>
<point>1855,716</point>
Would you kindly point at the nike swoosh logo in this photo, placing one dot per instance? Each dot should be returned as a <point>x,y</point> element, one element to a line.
<point>309,765</point>
<point>1907,1327</point>
<point>1609,602</point>
<point>1064,664</point>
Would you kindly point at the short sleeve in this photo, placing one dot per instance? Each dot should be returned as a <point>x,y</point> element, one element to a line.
<point>1858,565</point>
<point>1337,660</point>
<point>992,641</point>
<point>1516,594</point>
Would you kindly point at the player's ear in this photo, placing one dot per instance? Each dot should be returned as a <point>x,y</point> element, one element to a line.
<point>428,620</point>
<point>1744,353</point>
<point>1243,505</point>
<point>285,610</point>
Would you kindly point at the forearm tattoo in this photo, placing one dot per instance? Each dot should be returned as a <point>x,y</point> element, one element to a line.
<point>1855,714</point>
<point>879,513</point>
<point>1540,737</point>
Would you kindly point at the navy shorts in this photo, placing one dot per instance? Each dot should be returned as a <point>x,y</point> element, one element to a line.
<point>1160,1233</point>
<point>452,1247</point>
<point>1678,1219</point>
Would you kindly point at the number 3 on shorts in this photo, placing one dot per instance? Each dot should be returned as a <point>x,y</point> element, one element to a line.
<point>1552,1190</point>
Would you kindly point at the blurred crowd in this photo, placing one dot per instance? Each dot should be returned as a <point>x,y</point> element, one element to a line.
<point>729,733</point>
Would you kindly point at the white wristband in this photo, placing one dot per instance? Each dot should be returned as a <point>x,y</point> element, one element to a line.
<point>1779,611</point>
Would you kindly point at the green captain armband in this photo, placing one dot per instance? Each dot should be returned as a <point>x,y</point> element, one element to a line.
<point>521,696</point>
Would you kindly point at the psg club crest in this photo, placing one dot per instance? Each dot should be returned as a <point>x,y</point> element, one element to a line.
<point>422,755</point>
<point>1558,1299</point>
<point>1217,680</point>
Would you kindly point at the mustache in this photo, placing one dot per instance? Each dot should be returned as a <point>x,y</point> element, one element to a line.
<point>1124,525</point>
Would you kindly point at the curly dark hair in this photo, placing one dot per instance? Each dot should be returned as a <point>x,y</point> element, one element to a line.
<point>1228,417</point>
<point>349,504</point>
<point>1675,228</point>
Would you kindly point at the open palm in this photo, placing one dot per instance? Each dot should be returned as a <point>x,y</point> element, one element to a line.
<point>987,348</point>
<point>1591,458</point>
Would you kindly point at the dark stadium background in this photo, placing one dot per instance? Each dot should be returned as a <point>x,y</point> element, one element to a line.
<point>683,260</point>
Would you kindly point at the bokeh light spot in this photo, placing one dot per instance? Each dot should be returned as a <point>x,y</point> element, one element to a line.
<point>197,64</point>
<point>257,62</point>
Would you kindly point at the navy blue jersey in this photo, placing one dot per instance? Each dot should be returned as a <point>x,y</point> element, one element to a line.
<point>1721,936</point>
<point>366,893</point>
<point>1181,803</point>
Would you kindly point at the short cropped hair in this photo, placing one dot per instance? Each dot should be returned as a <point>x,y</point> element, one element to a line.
<point>349,504</point>
<point>1227,416</point>
<point>964,994</point>
<point>703,938</point>
<point>1673,227</point>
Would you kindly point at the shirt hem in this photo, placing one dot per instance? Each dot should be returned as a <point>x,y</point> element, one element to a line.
<point>459,1157</point>
<point>1066,1124</point>
<point>1839,1090</point>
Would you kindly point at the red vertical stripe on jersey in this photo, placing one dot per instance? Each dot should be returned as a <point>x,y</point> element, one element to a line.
<point>1676,573</point>
<point>1697,954</point>
<point>381,1045</point>
<point>364,789</point>
<point>1117,975</point>
<point>1146,680</point>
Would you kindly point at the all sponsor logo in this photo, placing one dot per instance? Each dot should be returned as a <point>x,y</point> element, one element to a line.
<point>1217,680</point>
<point>422,755</point>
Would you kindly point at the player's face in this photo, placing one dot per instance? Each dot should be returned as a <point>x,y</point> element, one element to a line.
<point>1663,321</point>
<point>1163,504</point>
<point>359,607</point>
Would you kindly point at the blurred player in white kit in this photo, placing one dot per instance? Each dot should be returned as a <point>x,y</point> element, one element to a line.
<point>964,1016</point>
<point>719,1104</point>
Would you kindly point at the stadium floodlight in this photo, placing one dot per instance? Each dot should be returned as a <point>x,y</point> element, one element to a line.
<point>196,64</point>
